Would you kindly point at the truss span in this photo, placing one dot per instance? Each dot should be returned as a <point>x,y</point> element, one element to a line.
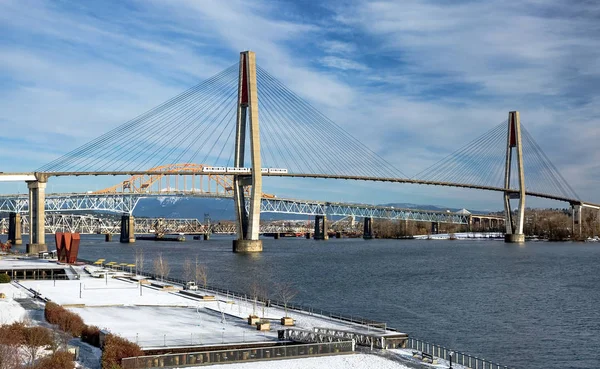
<point>182,178</point>
<point>125,203</point>
<point>89,224</point>
<point>288,206</point>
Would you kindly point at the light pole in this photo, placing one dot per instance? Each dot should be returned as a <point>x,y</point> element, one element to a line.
<point>450,354</point>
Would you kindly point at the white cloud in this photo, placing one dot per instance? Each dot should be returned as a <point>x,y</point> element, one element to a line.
<point>342,63</point>
<point>338,47</point>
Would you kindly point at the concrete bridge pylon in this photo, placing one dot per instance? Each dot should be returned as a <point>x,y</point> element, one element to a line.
<point>514,227</point>
<point>247,117</point>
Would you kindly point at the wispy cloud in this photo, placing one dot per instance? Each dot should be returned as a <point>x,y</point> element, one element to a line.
<point>342,63</point>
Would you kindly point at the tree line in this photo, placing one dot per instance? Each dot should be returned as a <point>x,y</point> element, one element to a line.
<point>550,224</point>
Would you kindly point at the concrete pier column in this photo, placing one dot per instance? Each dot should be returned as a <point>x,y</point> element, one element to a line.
<point>15,228</point>
<point>127,229</point>
<point>576,217</point>
<point>37,217</point>
<point>206,237</point>
<point>276,236</point>
<point>368,228</point>
<point>321,227</point>
<point>435,227</point>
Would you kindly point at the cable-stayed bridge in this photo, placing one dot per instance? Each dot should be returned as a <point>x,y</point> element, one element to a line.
<point>217,122</point>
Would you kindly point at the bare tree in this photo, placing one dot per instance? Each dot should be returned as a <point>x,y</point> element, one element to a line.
<point>161,266</point>
<point>201,274</point>
<point>139,260</point>
<point>11,338</point>
<point>286,292</point>
<point>264,296</point>
<point>255,290</point>
<point>188,270</point>
<point>35,339</point>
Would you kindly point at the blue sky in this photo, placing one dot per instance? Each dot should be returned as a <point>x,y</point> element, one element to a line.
<point>415,80</point>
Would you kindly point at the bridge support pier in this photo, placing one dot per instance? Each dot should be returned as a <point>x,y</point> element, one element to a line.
<point>37,217</point>
<point>514,231</point>
<point>247,110</point>
<point>576,212</point>
<point>127,229</point>
<point>321,227</point>
<point>435,227</point>
<point>15,229</point>
<point>368,228</point>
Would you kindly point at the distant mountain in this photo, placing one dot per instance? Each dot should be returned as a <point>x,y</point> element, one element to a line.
<point>222,209</point>
<point>404,205</point>
<point>193,207</point>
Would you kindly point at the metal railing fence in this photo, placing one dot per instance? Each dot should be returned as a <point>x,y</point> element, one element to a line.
<point>238,355</point>
<point>196,339</point>
<point>460,358</point>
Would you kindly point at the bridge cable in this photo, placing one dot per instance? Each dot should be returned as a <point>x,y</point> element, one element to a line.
<point>324,124</point>
<point>300,114</point>
<point>74,156</point>
<point>157,120</point>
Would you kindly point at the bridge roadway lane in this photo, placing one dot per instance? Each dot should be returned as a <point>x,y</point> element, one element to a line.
<point>46,175</point>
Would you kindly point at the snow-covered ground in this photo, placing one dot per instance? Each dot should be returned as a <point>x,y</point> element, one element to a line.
<point>460,236</point>
<point>10,262</point>
<point>154,317</point>
<point>10,310</point>
<point>360,361</point>
<point>158,317</point>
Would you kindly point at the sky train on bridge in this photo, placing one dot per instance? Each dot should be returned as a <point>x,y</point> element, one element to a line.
<point>242,170</point>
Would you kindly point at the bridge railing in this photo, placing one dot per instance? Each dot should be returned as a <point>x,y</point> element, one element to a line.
<point>236,356</point>
<point>460,358</point>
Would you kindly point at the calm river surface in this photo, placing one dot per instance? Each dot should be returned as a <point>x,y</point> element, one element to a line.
<point>531,306</point>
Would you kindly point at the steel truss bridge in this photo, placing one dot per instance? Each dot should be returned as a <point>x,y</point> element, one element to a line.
<point>119,203</point>
<point>89,224</point>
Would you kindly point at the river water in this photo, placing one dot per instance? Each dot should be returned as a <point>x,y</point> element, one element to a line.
<point>531,306</point>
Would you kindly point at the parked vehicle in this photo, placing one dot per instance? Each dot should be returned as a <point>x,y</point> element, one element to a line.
<point>191,285</point>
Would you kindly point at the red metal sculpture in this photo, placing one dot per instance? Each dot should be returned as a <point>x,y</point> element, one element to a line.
<point>67,246</point>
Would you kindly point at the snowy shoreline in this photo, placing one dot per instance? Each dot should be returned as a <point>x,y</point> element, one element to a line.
<point>157,317</point>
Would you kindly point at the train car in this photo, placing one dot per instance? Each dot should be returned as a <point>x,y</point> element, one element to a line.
<point>214,170</point>
<point>264,170</point>
<point>277,171</point>
<point>238,170</point>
